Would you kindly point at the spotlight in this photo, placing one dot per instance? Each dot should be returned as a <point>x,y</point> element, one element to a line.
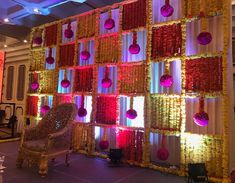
<point>5,46</point>
<point>36,10</point>
<point>6,20</point>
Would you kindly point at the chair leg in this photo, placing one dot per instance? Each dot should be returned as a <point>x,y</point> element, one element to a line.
<point>67,158</point>
<point>43,166</point>
<point>20,159</point>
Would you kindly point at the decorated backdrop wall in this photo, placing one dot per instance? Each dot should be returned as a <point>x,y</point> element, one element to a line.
<point>148,76</point>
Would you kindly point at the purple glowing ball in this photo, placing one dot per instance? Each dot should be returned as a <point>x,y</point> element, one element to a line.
<point>104,144</point>
<point>68,33</point>
<point>134,48</point>
<point>45,109</point>
<point>167,10</point>
<point>106,83</point>
<point>162,154</point>
<point>201,118</point>
<point>204,38</point>
<point>35,85</point>
<point>109,24</point>
<point>65,83</point>
<point>82,112</point>
<point>50,60</point>
<point>37,40</point>
<point>166,80</point>
<point>131,114</point>
<point>85,55</point>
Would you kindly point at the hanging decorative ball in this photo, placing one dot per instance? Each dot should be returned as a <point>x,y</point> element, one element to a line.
<point>167,10</point>
<point>201,118</point>
<point>45,109</point>
<point>68,33</point>
<point>65,83</point>
<point>109,24</point>
<point>106,83</point>
<point>166,80</point>
<point>35,85</point>
<point>85,55</point>
<point>131,114</point>
<point>204,38</point>
<point>82,112</point>
<point>162,154</point>
<point>50,60</point>
<point>104,144</point>
<point>134,48</point>
<point>37,40</point>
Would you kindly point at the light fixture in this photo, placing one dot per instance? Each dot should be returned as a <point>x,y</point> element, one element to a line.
<point>36,11</point>
<point>25,41</point>
<point>5,46</point>
<point>6,20</point>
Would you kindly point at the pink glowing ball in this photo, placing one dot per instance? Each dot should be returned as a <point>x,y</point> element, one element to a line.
<point>134,48</point>
<point>204,38</point>
<point>65,83</point>
<point>106,83</point>
<point>109,24</point>
<point>35,85</point>
<point>104,144</point>
<point>167,10</point>
<point>50,60</point>
<point>68,33</point>
<point>82,112</point>
<point>37,40</point>
<point>162,154</point>
<point>166,80</point>
<point>131,114</point>
<point>201,118</point>
<point>85,55</point>
<point>45,109</point>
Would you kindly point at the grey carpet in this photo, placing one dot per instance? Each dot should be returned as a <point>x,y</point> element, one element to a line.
<point>82,169</point>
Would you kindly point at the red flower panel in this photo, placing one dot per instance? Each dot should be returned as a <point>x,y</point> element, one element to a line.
<point>106,110</point>
<point>83,80</point>
<point>204,74</point>
<point>134,15</point>
<point>32,105</point>
<point>61,99</point>
<point>67,55</point>
<point>51,35</point>
<point>166,41</point>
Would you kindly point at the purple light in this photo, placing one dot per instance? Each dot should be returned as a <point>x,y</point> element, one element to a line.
<point>201,118</point>
<point>167,10</point>
<point>204,38</point>
<point>166,80</point>
<point>109,24</point>
<point>131,114</point>
<point>134,48</point>
<point>82,112</point>
<point>65,83</point>
<point>106,83</point>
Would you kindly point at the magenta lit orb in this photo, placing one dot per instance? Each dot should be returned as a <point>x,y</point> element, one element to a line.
<point>166,80</point>
<point>85,55</point>
<point>104,144</point>
<point>65,83</point>
<point>45,109</point>
<point>134,48</point>
<point>167,10</point>
<point>35,85</point>
<point>109,24</point>
<point>37,40</point>
<point>82,112</point>
<point>131,114</point>
<point>201,118</point>
<point>204,38</point>
<point>106,83</point>
<point>162,154</point>
<point>68,33</point>
<point>50,60</point>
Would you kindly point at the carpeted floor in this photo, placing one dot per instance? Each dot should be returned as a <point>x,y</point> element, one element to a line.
<point>81,170</point>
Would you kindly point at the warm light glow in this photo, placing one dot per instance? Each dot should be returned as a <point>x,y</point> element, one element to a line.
<point>25,41</point>
<point>5,46</point>
<point>194,141</point>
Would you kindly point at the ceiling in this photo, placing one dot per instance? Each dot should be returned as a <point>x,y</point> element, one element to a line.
<point>22,16</point>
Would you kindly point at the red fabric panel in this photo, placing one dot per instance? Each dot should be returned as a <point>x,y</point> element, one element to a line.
<point>67,55</point>
<point>204,74</point>
<point>106,110</point>
<point>134,15</point>
<point>51,35</point>
<point>60,99</point>
<point>166,41</point>
<point>32,105</point>
<point>83,80</point>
